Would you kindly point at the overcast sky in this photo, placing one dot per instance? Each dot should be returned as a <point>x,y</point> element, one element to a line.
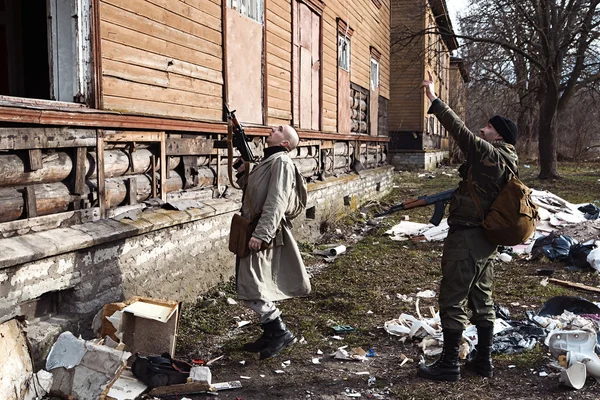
<point>456,7</point>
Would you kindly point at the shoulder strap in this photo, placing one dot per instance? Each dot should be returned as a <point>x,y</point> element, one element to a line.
<point>473,195</point>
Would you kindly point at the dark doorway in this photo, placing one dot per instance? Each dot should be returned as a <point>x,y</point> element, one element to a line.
<point>24,66</point>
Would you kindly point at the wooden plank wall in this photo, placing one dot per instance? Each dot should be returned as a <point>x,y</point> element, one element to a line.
<point>407,110</point>
<point>279,61</point>
<point>162,57</point>
<point>371,28</point>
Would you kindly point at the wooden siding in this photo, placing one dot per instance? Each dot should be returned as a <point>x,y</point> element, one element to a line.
<point>371,28</point>
<point>162,57</point>
<point>406,107</point>
<point>165,57</point>
<point>279,61</point>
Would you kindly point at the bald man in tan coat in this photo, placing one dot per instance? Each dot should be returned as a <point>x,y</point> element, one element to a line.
<point>278,272</point>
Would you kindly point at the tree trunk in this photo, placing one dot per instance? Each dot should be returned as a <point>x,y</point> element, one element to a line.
<point>547,134</point>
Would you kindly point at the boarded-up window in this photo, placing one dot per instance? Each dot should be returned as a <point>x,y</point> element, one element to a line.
<point>344,95</point>
<point>244,63</point>
<point>307,66</point>
<point>359,109</point>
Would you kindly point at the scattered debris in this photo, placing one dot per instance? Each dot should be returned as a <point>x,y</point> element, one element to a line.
<point>17,380</point>
<point>74,363</point>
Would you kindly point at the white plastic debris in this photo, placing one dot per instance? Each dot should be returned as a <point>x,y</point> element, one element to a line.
<point>316,360</point>
<point>594,258</point>
<point>231,301</point>
<point>245,377</point>
<point>426,294</point>
<point>504,257</point>
<point>201,374</point>
<point>279,371</point>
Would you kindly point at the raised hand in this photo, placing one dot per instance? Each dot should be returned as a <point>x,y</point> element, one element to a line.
<point>429,85</point>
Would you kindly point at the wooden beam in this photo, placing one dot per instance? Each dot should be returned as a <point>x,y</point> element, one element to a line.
<point>80,170</point>
<point>100,173</point>
<point>35,159</point>
<point>188,147</point>
<point>128,136</point>
<point>131,190</point>
<point>153,176</point>
<point>38,138</point>
<point>30,202</point>
<point>163,168</point>
<point>108,120</point>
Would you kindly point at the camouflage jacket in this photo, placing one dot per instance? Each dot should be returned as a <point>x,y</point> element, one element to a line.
<point>486,161</point>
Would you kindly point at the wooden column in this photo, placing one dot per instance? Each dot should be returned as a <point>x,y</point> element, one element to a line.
<point>100,173</point>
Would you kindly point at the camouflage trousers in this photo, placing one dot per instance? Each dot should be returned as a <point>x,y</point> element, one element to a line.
<point>467,275</point>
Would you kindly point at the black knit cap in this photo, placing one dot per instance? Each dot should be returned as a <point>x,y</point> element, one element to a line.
<point>506,128</point>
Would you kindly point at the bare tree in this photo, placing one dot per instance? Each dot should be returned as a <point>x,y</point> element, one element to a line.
<point>553,46</point>
<point>545,51</point>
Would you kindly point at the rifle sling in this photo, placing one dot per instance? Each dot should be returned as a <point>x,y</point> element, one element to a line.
<point>230,158</point>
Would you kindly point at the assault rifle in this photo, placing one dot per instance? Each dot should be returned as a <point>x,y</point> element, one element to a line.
<point>438,199</point>
<point>239,140</point>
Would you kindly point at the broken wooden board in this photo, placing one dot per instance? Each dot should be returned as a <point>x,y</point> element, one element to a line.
<point>183,388</point>
<point>575,285</point>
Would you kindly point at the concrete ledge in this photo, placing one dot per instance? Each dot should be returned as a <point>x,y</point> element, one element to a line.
<point>35,246</point>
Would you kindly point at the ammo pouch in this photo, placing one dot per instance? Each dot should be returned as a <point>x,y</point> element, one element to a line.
<point>240,234</point>
<point>156,371</point>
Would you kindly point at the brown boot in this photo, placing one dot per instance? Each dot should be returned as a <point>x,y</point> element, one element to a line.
<point>482,362</point>
<point>446,368</point>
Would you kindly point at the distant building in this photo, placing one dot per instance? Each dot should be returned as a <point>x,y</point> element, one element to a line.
<point>418,140</point>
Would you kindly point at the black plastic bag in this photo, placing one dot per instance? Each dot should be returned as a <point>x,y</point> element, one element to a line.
<point>156,371</point>
<point>558,304</point>
<point>578,256</point>
<point>553,247</point>
<point>591,211</point>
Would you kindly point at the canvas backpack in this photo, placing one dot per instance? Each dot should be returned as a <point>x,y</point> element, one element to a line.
<point>512,216</point>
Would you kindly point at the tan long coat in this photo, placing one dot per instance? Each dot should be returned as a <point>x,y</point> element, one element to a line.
<point>278,272</point>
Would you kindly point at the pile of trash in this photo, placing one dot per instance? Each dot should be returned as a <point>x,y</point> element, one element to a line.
<point>130,357</point>
<point>567,325</point>
<point>560,224</point>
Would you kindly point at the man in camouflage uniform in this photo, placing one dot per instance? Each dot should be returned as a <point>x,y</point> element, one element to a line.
<point>467,270</point>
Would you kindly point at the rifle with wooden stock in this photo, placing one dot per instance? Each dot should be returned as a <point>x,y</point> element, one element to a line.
<point>439,201</point>
<point>236,137</point>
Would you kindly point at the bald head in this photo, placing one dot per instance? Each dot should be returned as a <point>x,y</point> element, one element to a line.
<point>283,135</point>
<point>292,136</point>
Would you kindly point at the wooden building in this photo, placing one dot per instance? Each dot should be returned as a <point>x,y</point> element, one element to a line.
<point>154,75</point>
<point>108,107</point>
<point>423,42</point>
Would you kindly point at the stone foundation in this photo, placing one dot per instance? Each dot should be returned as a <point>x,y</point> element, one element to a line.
<point>422,159</point>
<point>176,255</point>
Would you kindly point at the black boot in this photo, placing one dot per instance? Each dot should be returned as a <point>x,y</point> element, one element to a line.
<point>482,362</point>
<point>260,343</point>
<point>446,368</point>
<point>279,339</point>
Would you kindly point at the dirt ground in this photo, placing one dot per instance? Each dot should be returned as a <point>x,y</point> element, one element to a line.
<point>360,289</point>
